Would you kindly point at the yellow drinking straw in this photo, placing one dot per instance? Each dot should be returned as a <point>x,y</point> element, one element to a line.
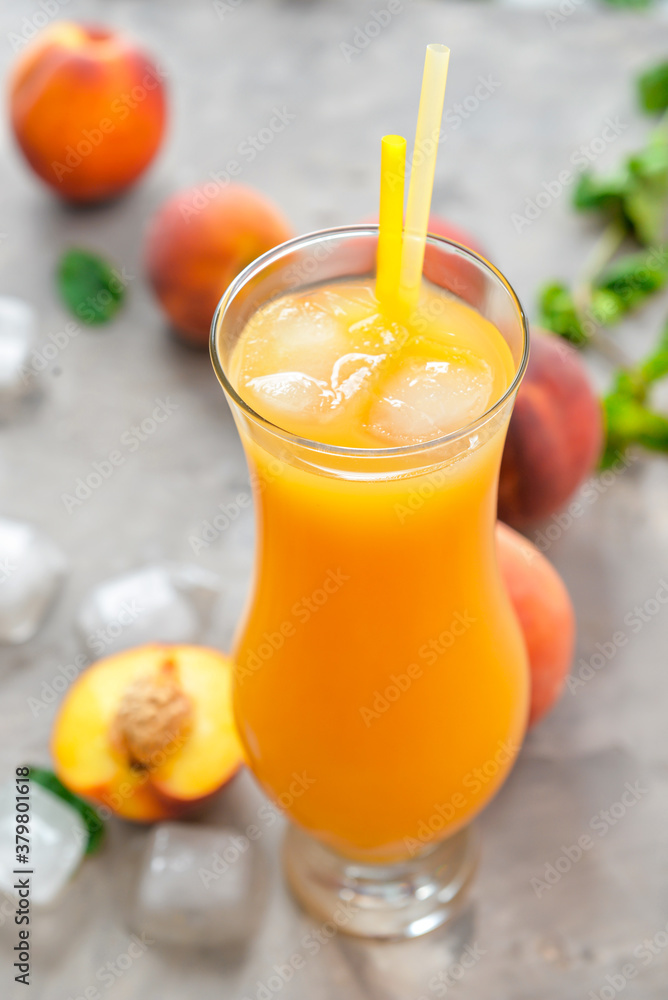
<point>391,217</point>
<point>423,166</point>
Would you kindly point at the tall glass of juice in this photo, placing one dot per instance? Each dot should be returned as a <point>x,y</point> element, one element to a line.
<point>381,680</point>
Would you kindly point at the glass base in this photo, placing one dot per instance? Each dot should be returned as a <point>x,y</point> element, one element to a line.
<point>401,900</point>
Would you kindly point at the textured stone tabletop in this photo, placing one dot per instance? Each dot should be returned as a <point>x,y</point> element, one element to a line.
<point>549,91</point>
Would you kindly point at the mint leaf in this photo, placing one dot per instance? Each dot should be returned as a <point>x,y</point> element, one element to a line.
<point>630,3</point>
<point>594,193</point>
<point>93,823</point>
<point>627,283</point>
<point>558,313</point>
<point>637,194</point>
<point>655,366</point>
<point>653,88</point>
<point>646,200</point>
<point>630,422</point>
<point>90,288</point>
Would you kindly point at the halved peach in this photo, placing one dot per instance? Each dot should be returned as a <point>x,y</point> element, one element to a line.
<point>149,733</point>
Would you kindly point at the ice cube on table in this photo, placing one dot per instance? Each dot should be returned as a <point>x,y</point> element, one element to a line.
<point>32,569</point>
<point>199,885</point>
<point>424,399</point>
<point>58,839</point>
<point>160,603</point>
<point>18,324</point>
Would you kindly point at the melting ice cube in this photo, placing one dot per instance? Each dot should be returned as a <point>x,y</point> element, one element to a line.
<point>162,603</point>
<point>352,372</point>
<point>17,333</point>
<point>58,839</point>
<point>199,885</point>
<point>31,571</point>
<point>293,336</point>
<point>293,393</point>
<point>424,399</point>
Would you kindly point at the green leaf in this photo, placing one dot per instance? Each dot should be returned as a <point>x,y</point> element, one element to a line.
<point>90,288</point>
<point>646,201</point>
<point>653,88</point>
<point>606,307</point>
<point>636,194</point>
<point>558,313</point>
<point>631,384</point>
<point>594,193</point>
<point>655,366</point>
<point>627,283</point>
<point>633,4</point>
<point>94,825</point>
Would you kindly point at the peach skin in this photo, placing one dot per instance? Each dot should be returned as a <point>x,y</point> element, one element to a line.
<point>88,110</point>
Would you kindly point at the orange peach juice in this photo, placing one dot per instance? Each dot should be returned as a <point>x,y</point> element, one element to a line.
<point>381,679</point>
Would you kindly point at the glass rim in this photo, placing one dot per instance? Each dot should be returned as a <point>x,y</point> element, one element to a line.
<point>366,229</point>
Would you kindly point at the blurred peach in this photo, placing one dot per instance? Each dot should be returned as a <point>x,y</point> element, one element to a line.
<point>545,613</point>
<point>88,110</point>
<point>198,241</point>
<point>555,434</point>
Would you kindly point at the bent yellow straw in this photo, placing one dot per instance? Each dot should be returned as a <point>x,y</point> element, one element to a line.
<point>423,165</point>
<point>391,217</point>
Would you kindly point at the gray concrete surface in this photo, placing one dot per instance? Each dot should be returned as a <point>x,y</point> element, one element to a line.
<point>553,91</point>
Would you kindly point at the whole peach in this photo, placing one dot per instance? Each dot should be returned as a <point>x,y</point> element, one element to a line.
<point>545,613</point>
<point>88,110</point>
<point>555,434</point>
<point>198,241</point>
